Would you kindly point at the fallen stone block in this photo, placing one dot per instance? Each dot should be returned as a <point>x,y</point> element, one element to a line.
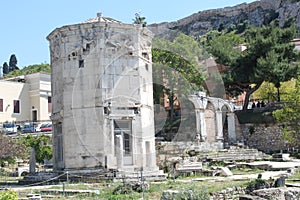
<point>225,171</point>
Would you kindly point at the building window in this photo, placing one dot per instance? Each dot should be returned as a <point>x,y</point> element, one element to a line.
<point>49,105</point>
<point>1,105</point>
<point>81,63</point>
<point>16,106</point>
<point>34,115</point>
<point>145,55</point>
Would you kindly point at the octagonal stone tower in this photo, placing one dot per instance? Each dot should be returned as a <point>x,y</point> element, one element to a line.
<point>102,101</point>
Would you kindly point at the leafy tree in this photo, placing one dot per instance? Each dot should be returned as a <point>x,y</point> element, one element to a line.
<point>176,74</point>
<point>176,68</point>
<point>269,57</point>
<point>241,27</point>
<point>268,91</point>
<point>10,149</point>
<point>224,46</point>
<point>289,115</point>
<point>41,146</point>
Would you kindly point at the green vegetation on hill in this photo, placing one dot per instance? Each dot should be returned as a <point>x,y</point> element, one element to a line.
<point>43,67</point>
<point>269,56</point>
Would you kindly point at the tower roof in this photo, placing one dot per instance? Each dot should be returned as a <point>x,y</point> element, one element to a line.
<point>100,18</point>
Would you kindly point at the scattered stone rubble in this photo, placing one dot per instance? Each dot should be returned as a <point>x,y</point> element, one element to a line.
<point>239,193</point>
<point>274,188</point>
<point>275,194</point>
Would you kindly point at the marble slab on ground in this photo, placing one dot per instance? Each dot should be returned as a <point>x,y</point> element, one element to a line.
<point>275,165</point>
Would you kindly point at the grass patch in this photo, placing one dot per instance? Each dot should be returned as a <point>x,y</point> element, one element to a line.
<point>154,192</point>
<point>295,178</point>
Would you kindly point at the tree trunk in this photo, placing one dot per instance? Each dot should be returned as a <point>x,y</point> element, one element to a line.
<point>246,100</point>
<point>248,93</point>
<point>278,95</point>
<point>171,103</point>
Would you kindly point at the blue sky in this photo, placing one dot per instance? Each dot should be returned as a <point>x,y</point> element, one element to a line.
<point>25,24</point>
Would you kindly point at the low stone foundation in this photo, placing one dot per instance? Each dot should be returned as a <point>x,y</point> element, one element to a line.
<point>166,150</point>
<point>268,138</point>
<point>277,193</point>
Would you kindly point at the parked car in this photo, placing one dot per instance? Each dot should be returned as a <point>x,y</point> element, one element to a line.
<point>10,128</point>
<point>46,128</point>
<point>28,128</point>
<point>39,126</point>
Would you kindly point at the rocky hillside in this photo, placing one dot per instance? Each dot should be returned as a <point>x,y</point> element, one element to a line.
<point>257,13</point>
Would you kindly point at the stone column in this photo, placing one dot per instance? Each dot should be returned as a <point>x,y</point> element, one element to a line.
<point>231,128</point>
<point>198,126</point>
<point>32,161</point>
<point>200,103</point>
<point>119,151</point>
<point>202,125</point>
<point>150,155</point>
<point>219,122</point>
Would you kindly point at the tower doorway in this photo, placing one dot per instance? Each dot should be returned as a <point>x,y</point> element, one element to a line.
<point>123,129</point>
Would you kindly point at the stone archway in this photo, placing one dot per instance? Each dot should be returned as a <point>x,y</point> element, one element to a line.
<point>210,119</point>
<point>203,107</point>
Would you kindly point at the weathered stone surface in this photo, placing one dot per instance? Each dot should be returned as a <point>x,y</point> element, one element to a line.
<point>225,171</point>
<point>249,197</point>
<point>278,193</point>
<point>34,196</point>
<point>264,137</point>
<point>257,13</point>
<point>101,74</point>
<point>166,151</point>
<point>263,194</point>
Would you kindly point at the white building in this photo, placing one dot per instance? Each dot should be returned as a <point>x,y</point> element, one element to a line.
<point>25,98</point>
<point>102,97</point>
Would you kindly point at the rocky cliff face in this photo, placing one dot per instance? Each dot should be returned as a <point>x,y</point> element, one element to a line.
<point>257,13</point>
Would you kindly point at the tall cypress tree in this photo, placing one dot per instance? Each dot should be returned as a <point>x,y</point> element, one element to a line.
<point>5,69</point>
<point>13,63</point>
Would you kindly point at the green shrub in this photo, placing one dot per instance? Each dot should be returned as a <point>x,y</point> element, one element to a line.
<point>122,189</point>
<point>8,195</point>
<point>192,193</point>
<point>257,184</point>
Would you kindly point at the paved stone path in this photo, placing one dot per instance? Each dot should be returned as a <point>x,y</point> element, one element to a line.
<point>277,169</point>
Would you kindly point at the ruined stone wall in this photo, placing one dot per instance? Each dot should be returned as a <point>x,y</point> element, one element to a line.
<point>166,151</point>
<point>264,137</point>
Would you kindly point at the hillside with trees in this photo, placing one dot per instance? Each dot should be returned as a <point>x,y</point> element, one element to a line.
<point>11,69</point>
<point>269,56</point>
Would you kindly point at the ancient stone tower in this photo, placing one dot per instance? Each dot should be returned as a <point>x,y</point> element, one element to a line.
<point>102,110</point>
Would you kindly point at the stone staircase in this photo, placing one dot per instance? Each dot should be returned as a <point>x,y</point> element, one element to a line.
<point>167,151</point>
<point>233,154</point>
